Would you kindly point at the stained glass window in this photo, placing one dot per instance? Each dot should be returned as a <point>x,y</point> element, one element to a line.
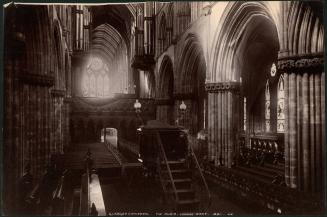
<point>95,81</point>
<point>280,105</point>
<point>267,107</point>
<point>106,90</point>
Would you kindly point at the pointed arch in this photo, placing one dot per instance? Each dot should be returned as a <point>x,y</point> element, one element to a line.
<point>191,67</point>
<point>190,82</point>
<point>162,34</point>
<point>237,22</point>
<point>165,87</point>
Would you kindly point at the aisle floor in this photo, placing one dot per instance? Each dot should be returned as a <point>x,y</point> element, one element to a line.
<point>143,197</point>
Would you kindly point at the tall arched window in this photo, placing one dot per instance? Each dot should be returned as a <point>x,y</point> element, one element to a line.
<point>183,15</point>
<point>162,34</point>
<point>280,105</point>
<point>267,107</point>
<point>95,80</point>
<point>170,21</point>
<point>106,89</point>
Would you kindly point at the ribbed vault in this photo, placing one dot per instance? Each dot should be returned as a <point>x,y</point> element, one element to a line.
<point>105,42</point>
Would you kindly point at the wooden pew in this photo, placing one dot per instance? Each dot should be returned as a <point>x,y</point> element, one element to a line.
<point>91,198</point>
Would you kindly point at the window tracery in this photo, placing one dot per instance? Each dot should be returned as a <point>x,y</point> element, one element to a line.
<point>96,81</point>
<point>280,105</point>
<point>267,107</point>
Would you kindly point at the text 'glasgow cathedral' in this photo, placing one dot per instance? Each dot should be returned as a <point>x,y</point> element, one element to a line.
<point>161,108</point>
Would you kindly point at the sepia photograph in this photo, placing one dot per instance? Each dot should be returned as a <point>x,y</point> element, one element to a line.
<point>163,108</point>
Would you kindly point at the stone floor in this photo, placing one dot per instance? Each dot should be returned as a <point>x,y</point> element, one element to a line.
<point>122,197</point>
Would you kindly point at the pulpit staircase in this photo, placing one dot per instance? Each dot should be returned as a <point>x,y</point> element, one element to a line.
<point>184,186</point>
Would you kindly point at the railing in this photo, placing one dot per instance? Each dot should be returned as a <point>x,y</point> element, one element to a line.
<point>282,200</point>
<point>85,204</point>
<point>205,201</point>
<point>163,176</point>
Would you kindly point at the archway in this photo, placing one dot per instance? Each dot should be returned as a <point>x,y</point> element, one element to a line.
<point>242,57</point>
<point>234,66</point>
<point>165,91</point>
<point>109,135</point>
<point>190,85</point>
<point>258,50</point>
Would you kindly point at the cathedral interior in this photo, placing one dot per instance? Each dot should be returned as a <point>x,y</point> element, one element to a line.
<point>164,108</point>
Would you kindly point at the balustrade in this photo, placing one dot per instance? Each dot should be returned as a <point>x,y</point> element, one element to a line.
<point>260,149</point>
<point>277,198</point>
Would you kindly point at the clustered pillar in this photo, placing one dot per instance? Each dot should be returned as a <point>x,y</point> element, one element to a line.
<point>305,121</point>
<point>222,121</point>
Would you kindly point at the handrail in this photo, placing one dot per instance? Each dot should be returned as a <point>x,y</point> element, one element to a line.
<point>168,169</point>
<point>201,174</point>
<point>88,189</point>
<point>87,161</point>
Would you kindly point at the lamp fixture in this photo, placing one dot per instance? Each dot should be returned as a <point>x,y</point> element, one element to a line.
<point>182,106</point>
<point>137,104</point>
<point>273,70</point>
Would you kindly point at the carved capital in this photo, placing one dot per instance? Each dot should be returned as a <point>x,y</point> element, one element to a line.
<point>301,62</point>
<point>37,79</point>
<point>222,86</point>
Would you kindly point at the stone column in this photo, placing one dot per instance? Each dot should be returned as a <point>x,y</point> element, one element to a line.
<point>58,120</point>
<point>304,120</point>
<point>223,100</point>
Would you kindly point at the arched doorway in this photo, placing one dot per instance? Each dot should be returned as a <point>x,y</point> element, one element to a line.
<point>110,135</point>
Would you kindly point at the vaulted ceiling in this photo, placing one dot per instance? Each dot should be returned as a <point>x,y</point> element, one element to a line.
<point>119,16</point>
<point>111,26</point>
<point>105,41</point>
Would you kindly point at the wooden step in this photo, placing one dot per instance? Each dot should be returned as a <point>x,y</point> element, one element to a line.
<point>187,205</point>
<point>180,173</point>
<point>194,201</point>
<point>174,165</point>
<point>181,183</point>
<point>184,194</point>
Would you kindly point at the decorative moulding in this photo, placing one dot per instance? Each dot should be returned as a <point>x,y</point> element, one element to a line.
<point>222,86</point>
